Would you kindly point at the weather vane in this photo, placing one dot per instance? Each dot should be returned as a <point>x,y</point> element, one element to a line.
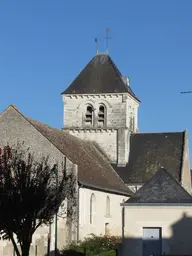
<point>107,39</point>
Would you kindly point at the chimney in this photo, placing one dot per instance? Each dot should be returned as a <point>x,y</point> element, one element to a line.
<point>126,80</point>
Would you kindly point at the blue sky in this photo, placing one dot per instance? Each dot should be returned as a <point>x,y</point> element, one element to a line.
<point>45,44</point>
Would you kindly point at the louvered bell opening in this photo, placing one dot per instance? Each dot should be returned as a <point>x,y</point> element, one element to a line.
<point>101,116</point>
<point>89,116</point>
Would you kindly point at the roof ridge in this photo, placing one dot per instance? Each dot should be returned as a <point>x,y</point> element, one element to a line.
<point>141,133</point>
<point>28,119</point>
<point>62,132</point>
<point>162,169</point>
<point>105,168</point>
<point>10,105</point>
<point>158,178</point>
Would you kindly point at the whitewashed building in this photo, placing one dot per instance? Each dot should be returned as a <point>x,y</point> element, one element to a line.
<point>157,219</point>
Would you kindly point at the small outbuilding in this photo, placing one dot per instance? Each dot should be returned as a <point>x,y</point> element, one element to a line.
<point>157,219</point>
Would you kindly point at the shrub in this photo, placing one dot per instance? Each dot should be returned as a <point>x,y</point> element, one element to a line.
<point>94,245</point>
<point>109,253</point>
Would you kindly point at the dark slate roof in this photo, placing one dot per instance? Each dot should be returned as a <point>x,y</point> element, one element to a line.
<point>151,151</point>
<point>94,169</point>
<point>100,75</point>
<point>162,188</point>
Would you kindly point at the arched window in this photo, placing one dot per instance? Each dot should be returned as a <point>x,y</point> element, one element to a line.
<point>107,206</point>
<point>131,122</point>
<point>102,116</point>
<point>89,116</point>
<point>92,208</point>
<point>133,128</point>
<point>107,229</point>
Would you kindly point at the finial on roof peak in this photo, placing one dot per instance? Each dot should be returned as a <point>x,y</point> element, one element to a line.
<point>12,105</point>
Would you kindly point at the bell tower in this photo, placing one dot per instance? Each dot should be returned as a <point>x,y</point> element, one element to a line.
<point>100,106</point>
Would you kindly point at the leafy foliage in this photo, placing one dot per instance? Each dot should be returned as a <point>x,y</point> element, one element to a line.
<point>30,194</point>
<point>108,253</point>
<point>94,245</point>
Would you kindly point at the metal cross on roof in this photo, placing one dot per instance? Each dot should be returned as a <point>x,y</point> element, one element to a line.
<point>107,39</point>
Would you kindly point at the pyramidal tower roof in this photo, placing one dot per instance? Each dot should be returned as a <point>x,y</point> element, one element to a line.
<point>162,188</point>
<point>100,75</point>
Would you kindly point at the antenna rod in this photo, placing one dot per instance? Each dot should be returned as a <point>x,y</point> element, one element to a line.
<point>186,92</point>
<point>96,41</point>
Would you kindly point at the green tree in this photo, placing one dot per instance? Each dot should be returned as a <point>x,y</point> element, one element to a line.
<point>31,195</point>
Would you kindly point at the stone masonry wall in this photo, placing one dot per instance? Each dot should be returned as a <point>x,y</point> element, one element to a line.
<point>105,139</point>
<point>15,128</point>
<point>185,169</point>
<point>113,138</point>
<point>118,106</point>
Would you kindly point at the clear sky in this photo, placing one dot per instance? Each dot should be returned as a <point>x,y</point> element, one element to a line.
<point>44,44</point>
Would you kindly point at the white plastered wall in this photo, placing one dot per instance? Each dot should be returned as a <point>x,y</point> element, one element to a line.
<point>175,221</point>
<point>100,219</point>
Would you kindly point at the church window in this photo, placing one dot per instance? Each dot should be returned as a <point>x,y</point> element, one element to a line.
<point>89,116</point>
<point>131,122</point>
<point>102,116</point>
<point>92,209</point>
<point>107,229</point>
<point>108,207</point>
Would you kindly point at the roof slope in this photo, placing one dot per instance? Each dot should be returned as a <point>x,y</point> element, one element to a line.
<point>150,151</point>
<point>162,188</point>
<point>100,75</point>
<point>94,169</point>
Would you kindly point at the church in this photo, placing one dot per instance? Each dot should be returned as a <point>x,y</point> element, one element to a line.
<point>102,145</point>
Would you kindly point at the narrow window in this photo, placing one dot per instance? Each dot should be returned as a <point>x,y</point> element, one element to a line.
<point>92,209</point>
<point>102,116</point>
<point>89,116</point>
<point>107,229</point>
<point>108,207</point>
<point>131,122</point>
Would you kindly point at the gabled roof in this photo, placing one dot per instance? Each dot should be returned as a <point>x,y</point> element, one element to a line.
<point>150,151</point>
<point>93,168</point>
<point>162,188</point>
<point>100,75</point>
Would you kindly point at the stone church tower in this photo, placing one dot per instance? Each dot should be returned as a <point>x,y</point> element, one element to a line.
<point>100,106</point>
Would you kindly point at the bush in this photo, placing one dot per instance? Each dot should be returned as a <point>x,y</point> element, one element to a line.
<point>109,253</point>
<point>94,245</point>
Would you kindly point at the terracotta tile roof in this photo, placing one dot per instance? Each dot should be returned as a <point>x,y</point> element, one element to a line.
<point>99,76</point>
<point>150,151</point>
<point>94,169</point>
<point>162,188</point>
